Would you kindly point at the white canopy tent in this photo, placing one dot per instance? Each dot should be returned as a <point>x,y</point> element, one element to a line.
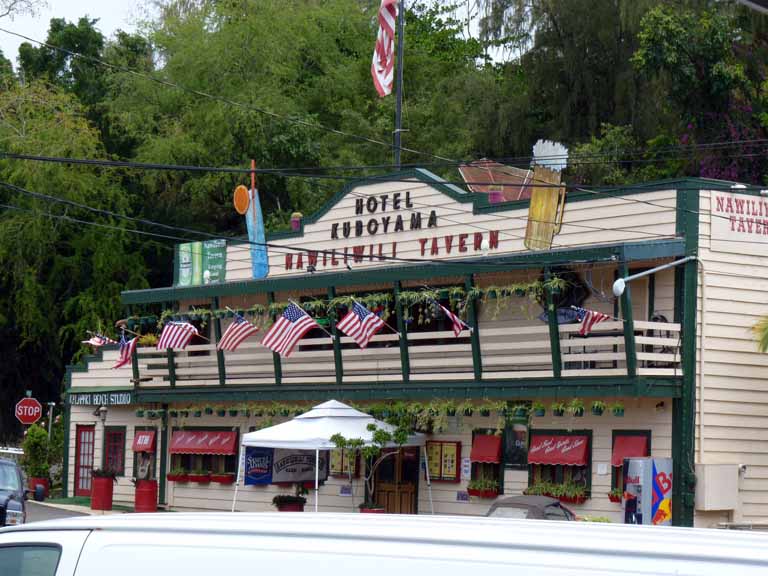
<point>313,431</point>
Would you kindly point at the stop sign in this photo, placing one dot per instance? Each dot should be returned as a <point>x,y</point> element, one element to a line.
<point>28,410</point>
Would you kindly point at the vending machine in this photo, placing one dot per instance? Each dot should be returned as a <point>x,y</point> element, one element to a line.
<point>648,491</point>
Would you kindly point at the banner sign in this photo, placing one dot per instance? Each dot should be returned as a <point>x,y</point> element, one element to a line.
<point>275,465</point>
<point>101,399</point>
<point>201,263</point>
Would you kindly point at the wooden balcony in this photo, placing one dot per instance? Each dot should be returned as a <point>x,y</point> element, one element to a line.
<point>505,353</point>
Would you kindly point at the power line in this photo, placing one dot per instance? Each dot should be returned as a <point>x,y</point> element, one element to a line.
<point>223,99</point>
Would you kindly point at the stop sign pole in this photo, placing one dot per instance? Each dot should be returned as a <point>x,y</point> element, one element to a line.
<point>28,411</point>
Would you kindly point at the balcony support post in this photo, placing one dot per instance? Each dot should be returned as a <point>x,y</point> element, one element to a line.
<point>401,327</point>
<point>217,332</point>
<point>554,329</point>
<point>629,326</point>
<point>337,359</point>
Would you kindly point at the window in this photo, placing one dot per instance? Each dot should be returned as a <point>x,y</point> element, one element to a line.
<point>485,456</point>
<point>114,450</point>
<point>560,463</point>
<point>516,443</point>
<point>29,560</point>
<point>627,444</point>
<point>204,450</point>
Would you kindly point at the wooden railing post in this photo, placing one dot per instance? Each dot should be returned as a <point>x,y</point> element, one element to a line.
<point>171,367</point>
<point>217,332</point>
<point>275,356</point>
<point>405,361</point>
<point>629,326</point>
<point>337,359</point>
<point>477,359</point>
<point>554,329</point>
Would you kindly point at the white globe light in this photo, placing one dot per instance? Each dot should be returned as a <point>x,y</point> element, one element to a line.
<point>485,246</point>
<point>618,287</point>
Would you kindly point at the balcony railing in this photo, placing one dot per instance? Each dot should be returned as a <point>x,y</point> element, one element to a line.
<point>518,352</point>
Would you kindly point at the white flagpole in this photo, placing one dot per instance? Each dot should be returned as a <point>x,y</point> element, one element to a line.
<point>237,480</point>
<point>429,480</point>
<point>317,476</point>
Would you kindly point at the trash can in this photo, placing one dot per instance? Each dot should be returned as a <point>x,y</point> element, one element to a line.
<point>146,496</point>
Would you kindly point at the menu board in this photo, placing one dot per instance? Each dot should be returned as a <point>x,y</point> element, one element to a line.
<point>444,461</point>
<point>200,263</point>
<point>340,462</point>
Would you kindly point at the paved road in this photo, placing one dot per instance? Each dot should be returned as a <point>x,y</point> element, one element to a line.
<point>37,512</point>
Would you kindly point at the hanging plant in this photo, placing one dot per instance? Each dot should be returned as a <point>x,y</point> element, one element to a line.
<point>576,407</point>
<point>558,408</point>
<point>538,409</point>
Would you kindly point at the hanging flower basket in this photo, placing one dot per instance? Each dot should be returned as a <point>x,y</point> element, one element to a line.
<point>223,478</point>
<point>614,498</point>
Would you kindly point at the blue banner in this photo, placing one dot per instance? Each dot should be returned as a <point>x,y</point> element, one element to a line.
<point>258,465</point>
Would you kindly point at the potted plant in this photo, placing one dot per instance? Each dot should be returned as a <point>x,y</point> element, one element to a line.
<point>466,408</point>
<point>615,495</point>
<point>208,410</point>
<point>576,407</point>
<point>598,407</point>
<point>485,410</point>
<point>200,476</point>
<point>233,412</point>
<point>291,502</point>
<point>520,410</point>
<point>140,413</point>
<point>223,478</point>
<point>572,493</point>
<point>221,412</point>
<point>102,484</point>
<point>373,452</point>
<point>539,489</point>
<point>558,408</point>
<point>178,475</point>
<point>483,488</point>
<point>35,459</point>
<point>618,409</point>
<point>538,409</point>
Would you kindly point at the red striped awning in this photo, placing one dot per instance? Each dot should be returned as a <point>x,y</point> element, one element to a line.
<point>628,447</point>
<point>486,448</point>
<point>557,449</point>
<point>144,441</point>
<point>203,442</point>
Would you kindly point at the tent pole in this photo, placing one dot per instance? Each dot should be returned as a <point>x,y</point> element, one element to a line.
<point>317,476</point>
<point>237,479</point>
<point>429,480</point>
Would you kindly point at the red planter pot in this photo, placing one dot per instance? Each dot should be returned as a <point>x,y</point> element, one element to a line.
<point>177,478</point>
<point>146,496</point>
<point>199,478</point>
<point>373,511</point>
<point>573,499</point>
<point>483,493</point>
<point>223,478</point>
<point>613,498</point>
<point>44,482</point>
<point>290,507</point>
<point>101,493</point>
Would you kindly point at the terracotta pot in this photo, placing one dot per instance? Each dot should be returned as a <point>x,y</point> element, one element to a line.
<point>44,482</point>
<point>290,507</point>
<point>101,493</point>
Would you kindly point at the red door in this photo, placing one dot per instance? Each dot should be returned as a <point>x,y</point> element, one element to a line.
<point>84,460</point>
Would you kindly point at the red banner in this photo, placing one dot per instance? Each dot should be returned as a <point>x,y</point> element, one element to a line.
<point>558,449</point>
<point>203,442</point>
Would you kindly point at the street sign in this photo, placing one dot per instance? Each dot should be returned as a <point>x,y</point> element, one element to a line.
<point>28,410</point>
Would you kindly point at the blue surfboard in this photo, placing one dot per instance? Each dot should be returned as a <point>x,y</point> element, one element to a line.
<point>255,223</point>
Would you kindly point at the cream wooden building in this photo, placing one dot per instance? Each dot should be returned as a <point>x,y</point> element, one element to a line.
<point>678,353</point>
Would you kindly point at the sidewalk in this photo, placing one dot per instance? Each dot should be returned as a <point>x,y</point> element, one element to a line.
<point>84,509</point>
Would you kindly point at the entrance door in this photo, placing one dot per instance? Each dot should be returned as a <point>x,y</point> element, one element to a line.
<point>397,482</point>
<point>84,460</point>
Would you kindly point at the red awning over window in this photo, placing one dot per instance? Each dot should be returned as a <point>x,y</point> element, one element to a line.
<point>144,441</point>
<point>203,442</point>
<point>558,449</point>
<point>628,447</point>
<point>486,448</point>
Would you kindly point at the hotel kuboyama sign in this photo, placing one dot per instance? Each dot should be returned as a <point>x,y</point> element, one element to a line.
<point>378,224</point>
<point>739,223</point>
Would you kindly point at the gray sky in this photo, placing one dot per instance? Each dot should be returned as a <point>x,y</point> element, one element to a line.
<point>112,15</point>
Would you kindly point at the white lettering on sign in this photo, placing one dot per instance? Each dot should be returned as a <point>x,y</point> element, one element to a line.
<point>101,399</point>
<point>143,440</point>
<point>739,223</point>
<point>28,410</point>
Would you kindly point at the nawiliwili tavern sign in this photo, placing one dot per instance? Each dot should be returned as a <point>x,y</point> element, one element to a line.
<point>374,233</point>
<point>739,223</point>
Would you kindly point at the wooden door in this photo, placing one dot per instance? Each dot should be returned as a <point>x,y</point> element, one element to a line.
<point>397,482</point>
<point>84,459</point>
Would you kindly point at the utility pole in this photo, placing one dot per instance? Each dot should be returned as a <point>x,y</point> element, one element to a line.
<point>50,419</point>
<point>399,88</point>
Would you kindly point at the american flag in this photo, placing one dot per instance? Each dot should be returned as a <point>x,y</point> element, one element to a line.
<point>236,333</point>
<point>126,350</point>
<point>589,318</point>
<point>288,330</point>
<point>360,324</point>
<point>98,340</point>
<point>458,323</point>
<point>176,335</point>
<point>382,68</point>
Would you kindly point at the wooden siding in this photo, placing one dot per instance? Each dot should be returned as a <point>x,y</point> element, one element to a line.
<point>735,398</point>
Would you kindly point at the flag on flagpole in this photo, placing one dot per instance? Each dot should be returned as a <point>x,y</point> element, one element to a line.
<point>236,333</point>
<point>176,335</point>
<point>360,324</point>
<point>98,340</point>
<point>126,351</point>
<point>383,66</point>
<point>589,318</point>
<point>288,330</point>
<point>457,323</point>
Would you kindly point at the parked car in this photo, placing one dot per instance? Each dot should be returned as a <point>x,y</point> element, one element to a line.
<point>191,544</point>
<point>13,507</point>
<point>531,508</point>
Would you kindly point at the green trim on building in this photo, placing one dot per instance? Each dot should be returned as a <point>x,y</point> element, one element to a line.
<point>171,367</point>
<point>405,359</point>
<point>219,353</point>
<point>65,463</point>
<point>337,358</point>
<point>554,330</point>
<point>477,357</point>
<point>163,442</point>
<point>629,326</point>
<point>276,360</point>
<point>645,250</point>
